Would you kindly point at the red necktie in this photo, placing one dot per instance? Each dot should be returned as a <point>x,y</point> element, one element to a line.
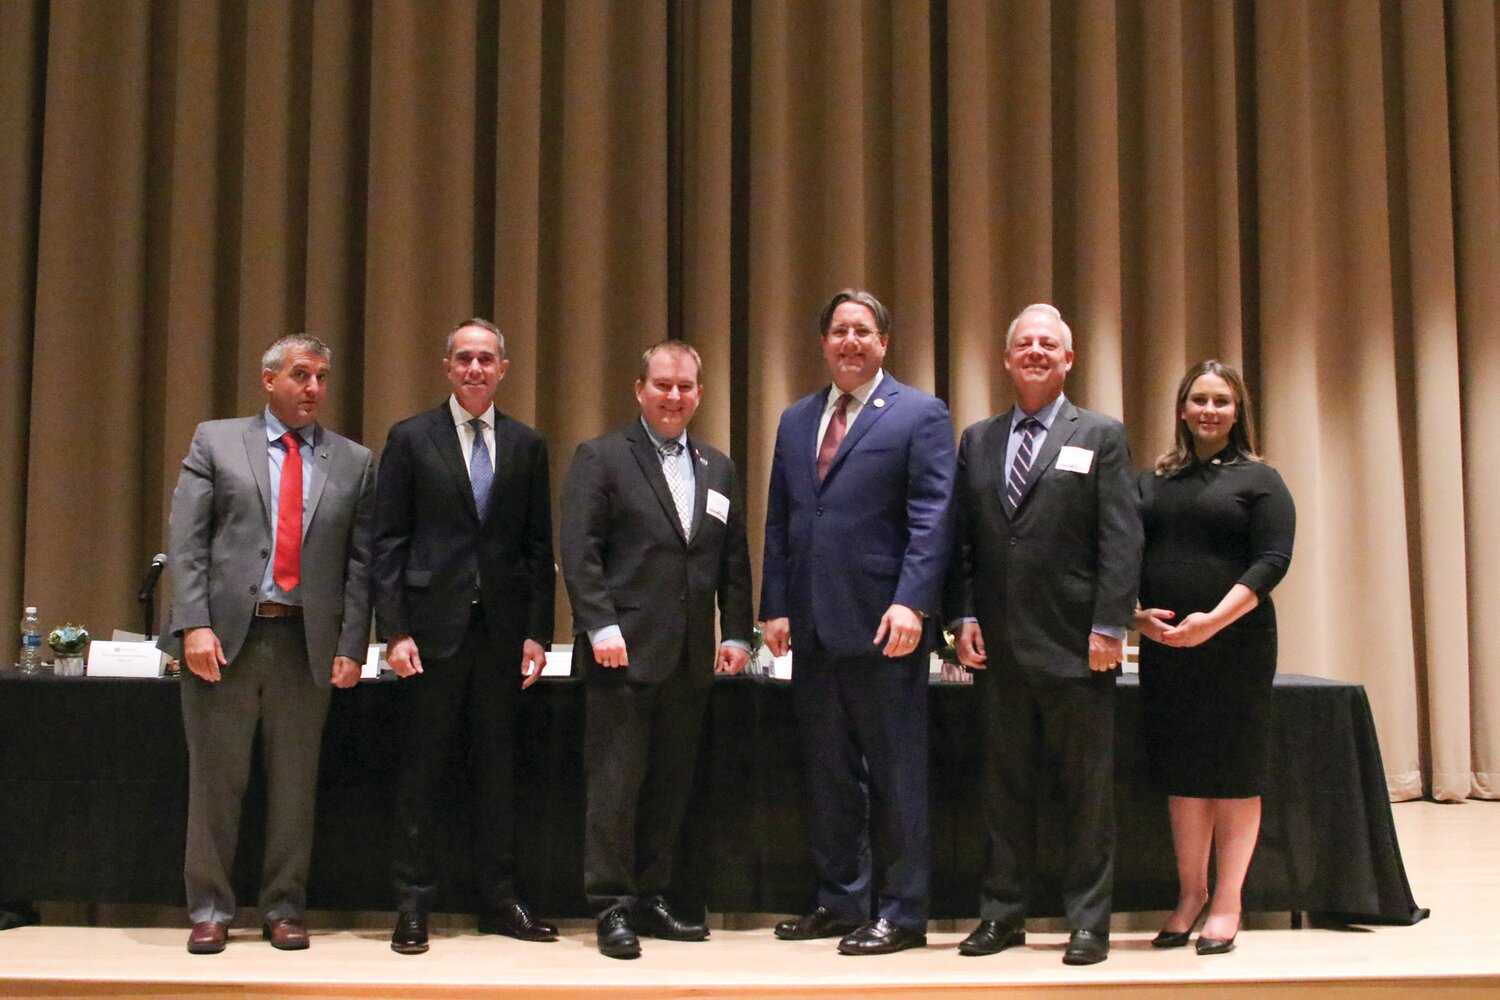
<point>288,569</point>
<point>838,424</point>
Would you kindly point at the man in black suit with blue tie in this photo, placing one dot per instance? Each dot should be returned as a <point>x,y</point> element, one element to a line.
<point>1043,581</point>
<point>858,534</point>
<point>653,536</point>
<point>463,587</point>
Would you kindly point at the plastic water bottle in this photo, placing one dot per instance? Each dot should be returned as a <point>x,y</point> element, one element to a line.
<point>30,660</point>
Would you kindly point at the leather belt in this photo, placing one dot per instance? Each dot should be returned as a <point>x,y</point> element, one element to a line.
<point>270,609</point>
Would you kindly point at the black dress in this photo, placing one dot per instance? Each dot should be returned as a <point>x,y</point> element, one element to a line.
<point>1207,709</point>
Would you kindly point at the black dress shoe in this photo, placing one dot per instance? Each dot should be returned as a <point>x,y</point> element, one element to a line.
<point>515,920</point>
<point>1215,946</point>
<point>880,937</point>
<point>817,924</point>
<point>1171,939</point>
<point>410,935</point>
<point>991,937</point>
<point>616,939</point>
<point>1086,948</point>
<point>652,918</point>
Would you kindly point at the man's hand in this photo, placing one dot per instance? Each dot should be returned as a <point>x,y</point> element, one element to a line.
<point>401,653</point>
<point>1152,622</point>
<point>345,672</point>
<point>970,646</point>
<point>776,633</point>
<point>900,629</point>
<point>611,652</point>
<point>731,660</point>
<point>202,653</point>
<point>1105,653</point>
<point>533,659</point>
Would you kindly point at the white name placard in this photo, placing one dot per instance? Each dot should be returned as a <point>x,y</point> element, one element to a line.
<point>125,659</point>
<point>559,660</point>
<point>374,662</point>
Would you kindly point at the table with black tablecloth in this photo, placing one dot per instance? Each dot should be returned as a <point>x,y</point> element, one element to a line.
<point>93,803</point>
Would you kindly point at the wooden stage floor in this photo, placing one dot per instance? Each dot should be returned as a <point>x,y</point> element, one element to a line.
<point>1452,855</point>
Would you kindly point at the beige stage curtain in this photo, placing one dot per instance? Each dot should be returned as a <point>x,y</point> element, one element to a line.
<point>1308,188</point>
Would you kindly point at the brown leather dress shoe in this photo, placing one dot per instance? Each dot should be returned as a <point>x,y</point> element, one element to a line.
<point>286,934</point>
<point>515,920</point>
<point>207,937</point>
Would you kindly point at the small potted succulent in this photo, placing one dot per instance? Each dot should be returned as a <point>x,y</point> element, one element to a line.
<point>68,644</point>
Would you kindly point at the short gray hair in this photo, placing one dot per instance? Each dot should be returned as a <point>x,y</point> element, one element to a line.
<point>483,324</point>
<point>1050,310</point>
<point>671,346</point>
<point>275,355</point>
<point>858,297</point>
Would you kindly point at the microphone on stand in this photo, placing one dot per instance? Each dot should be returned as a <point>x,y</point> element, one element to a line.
<point>148,587</point>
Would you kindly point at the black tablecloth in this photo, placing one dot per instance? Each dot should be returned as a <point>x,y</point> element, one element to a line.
<point>93,803</point>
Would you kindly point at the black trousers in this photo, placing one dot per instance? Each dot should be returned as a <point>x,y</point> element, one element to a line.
<point>466,703</point>
<point>863,726</point>
<point>1040,730</point>
<point>640,745</point>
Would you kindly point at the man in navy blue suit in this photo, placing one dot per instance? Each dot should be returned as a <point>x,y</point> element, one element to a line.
<point>858,533</point>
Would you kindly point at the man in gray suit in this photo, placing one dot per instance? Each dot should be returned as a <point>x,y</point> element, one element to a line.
<point>1043,577</point>
<point>269,556</point>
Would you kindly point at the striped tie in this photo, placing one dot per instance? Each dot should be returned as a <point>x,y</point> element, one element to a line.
<point>1015,483</point>
<point>681,496</point>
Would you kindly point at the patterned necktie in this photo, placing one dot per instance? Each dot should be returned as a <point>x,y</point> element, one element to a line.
<point>481,472</point>
<point>287,570</point>
<point>680,495</point>
<point>838,426</point>
<point>1015,483</point>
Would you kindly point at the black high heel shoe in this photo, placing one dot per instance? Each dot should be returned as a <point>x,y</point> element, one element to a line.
<point>1216,946</point>
<point>1172,939</point>
<point>1179,939</point>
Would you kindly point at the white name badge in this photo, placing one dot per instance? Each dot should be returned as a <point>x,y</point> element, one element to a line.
<point>1071,459</point>
<point>374,660</point>
<point>717,505</point>
<point>125,659</point>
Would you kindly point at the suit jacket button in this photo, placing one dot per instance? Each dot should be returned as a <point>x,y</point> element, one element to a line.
<point>265,553</point>
<point>253,590</point>
<point>1014,539</point>
<point>820,511</point>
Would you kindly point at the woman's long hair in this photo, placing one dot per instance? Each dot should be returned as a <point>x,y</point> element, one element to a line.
<point>1241,436</point>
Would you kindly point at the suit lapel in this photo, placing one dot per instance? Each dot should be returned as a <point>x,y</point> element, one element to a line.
<point>260,464</point>
<point>880,401</point>
<point>1063,427</point>
<point>700,486</point>
<point>502,459</point>
<point>806,443</point>
<point>444,436</point>
<point>320,466</point>
<point>650,463</point>
<point>1002,440</point>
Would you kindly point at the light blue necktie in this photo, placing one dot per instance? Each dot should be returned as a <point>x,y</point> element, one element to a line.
<point>481,472</point>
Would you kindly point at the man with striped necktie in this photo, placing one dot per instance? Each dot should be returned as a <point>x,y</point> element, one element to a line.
<point>1043,584</point>
<point>653,544</point>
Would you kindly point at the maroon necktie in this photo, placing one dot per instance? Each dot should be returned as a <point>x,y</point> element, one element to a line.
<point>838,424</point>
<point>288,569</point>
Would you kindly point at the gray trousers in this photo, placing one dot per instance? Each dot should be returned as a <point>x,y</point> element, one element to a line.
<point>267,684</point>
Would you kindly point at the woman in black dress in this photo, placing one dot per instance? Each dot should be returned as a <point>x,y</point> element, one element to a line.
<point>1219,525</point>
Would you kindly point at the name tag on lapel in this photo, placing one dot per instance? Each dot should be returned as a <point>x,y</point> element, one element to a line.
<point>717,505</point>
<point>1071,459</point>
